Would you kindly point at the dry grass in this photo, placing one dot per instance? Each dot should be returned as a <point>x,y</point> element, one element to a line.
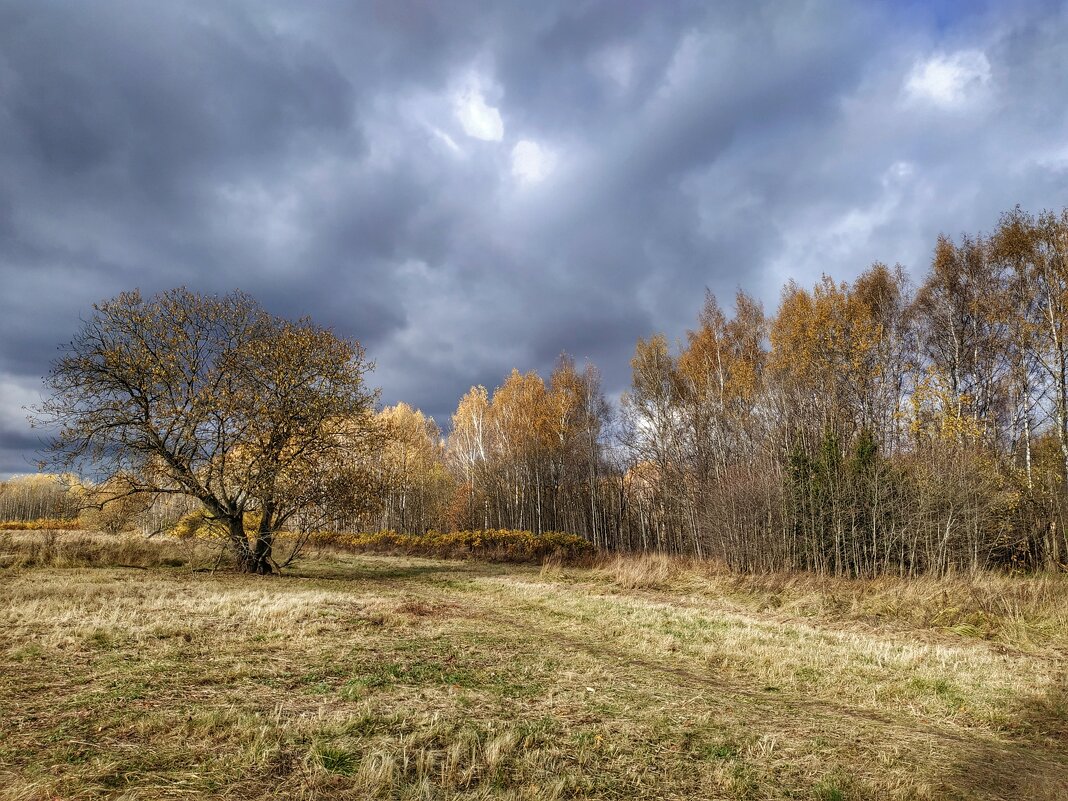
<point>380,677</point>
<point>1026,611</point>
<point>70,549</point>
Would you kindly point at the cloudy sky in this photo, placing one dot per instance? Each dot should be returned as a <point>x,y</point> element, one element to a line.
<point>467,187</point>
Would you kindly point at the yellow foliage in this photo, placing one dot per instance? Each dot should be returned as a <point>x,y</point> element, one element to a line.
<point>197,525</point>
<point>42,524</point>
<point>201,526</point>
<point>826,338</point>
<point>940,415</point>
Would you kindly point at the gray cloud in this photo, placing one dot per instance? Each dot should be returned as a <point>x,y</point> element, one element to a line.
<point>312,154</point>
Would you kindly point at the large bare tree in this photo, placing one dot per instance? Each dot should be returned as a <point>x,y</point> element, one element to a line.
<point>214,398</point>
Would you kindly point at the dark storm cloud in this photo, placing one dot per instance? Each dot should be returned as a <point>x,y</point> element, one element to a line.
<point>468,188</point>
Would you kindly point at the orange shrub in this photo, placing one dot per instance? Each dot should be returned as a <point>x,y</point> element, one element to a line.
<point>41,524</point>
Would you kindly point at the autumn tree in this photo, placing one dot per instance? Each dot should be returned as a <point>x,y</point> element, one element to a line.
<point>214,398</point>
<point>825,346</point>
<point>652,434</point>
<point>1036,250</point>
<point>963,332</point>
<point>519,416</point>
<point>579,416</point>
<point>886,295</point>
<point>415,483</point>
<point>468,451</point>
<point>530,455</point>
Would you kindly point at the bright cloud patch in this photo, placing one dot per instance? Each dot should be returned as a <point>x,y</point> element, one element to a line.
<point>948,80</point>
<point>478,119</point>
<point>531,162</point>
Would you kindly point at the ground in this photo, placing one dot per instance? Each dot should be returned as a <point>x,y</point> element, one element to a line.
<point>395,677</point>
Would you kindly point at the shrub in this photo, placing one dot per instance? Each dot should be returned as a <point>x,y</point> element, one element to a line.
<point>196,525</point>
<point>202,526</point>
<point>42,524</point>
<point>503,545</point>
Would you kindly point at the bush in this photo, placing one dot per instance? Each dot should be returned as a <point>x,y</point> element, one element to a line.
<point>202,526</point>
<point>42,524</point>
<point>196,525</point>
<point>502,545</point>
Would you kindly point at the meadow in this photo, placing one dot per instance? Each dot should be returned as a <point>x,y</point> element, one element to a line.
<point>133,669</point>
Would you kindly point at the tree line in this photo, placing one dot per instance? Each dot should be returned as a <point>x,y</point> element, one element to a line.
<point>865,427</point>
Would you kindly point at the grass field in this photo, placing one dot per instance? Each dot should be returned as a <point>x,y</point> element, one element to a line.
<point>389,677</point>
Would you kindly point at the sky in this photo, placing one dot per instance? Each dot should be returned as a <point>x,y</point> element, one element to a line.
<point>468,187</point>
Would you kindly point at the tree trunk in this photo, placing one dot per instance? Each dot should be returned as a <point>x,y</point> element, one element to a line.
<point>254,557</point>
<point>260,563</point>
